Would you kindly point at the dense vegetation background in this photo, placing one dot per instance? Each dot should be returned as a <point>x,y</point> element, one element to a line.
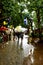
<point>17,10</point>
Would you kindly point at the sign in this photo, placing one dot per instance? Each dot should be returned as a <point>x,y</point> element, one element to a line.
<point>25,21</point>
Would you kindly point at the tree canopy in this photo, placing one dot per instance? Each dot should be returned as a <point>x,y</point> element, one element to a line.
<point>18,9</point>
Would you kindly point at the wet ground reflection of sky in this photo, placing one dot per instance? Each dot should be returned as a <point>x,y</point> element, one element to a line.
<point>11,54</point>
<point>27,48</point>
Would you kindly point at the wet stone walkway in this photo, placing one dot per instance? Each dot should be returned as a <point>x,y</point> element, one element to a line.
<point>11,53</point>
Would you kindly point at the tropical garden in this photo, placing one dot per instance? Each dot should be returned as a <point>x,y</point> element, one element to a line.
<point>15,11</point>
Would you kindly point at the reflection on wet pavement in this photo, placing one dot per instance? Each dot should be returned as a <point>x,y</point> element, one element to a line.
<point>12,54</point>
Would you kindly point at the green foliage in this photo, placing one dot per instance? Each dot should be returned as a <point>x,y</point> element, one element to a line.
<point>13,10</point>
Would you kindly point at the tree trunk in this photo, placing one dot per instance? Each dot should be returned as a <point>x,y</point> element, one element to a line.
<point>38,20</point>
